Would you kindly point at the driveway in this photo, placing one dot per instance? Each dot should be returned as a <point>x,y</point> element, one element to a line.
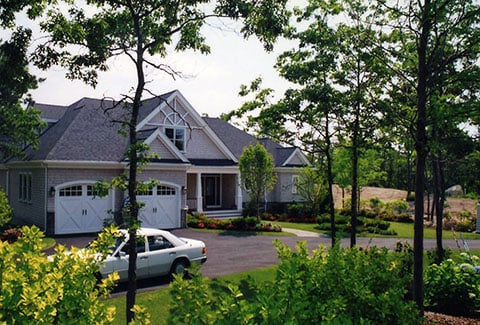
<point>229,254</point>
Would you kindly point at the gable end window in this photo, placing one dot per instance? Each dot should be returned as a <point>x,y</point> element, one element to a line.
<point>177,136</point>
<point>295,180</point>
<point>25,187</point>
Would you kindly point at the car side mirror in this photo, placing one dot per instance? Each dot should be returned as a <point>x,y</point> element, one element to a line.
<point>121,254</point>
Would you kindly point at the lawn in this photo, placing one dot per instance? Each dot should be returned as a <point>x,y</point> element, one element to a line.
<point>157,302</point>
<point>403,230</point>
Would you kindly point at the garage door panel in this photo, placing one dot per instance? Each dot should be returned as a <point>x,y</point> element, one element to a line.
<point>162,208</point>
<point>95,212</point>
<point>78,212</point>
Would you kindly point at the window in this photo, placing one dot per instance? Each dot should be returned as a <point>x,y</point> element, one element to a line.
<point>25,187</point>
<point>295,180</point>
<point>165,190</point>
<point>177,136</point>
<point>71,191</point>
<point>140,246</point>
<point>156,243</point>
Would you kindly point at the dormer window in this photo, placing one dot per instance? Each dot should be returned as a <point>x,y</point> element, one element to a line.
<point>177,136</point>
<point>175,129</point>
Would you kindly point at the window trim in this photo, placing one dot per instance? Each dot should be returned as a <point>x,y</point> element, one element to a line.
<point>295,179</point>
<point>178,138</point>
<point>25,187</point>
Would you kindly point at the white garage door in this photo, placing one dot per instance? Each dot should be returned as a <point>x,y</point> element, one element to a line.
<point>78,210</point>
<point>162,207</point>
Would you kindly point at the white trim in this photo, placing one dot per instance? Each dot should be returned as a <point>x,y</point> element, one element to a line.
<point>213,169</point>
<point>194,115</point>
<point>78,182</point>
<point>158,134</point>
<point>69,163</point>
<point>300,156</point>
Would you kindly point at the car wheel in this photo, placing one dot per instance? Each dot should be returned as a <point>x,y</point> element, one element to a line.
<point>179,267</point>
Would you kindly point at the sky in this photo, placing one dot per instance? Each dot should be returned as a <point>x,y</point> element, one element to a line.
<point>211,83</point>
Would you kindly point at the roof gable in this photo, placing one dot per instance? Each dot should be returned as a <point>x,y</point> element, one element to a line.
<point>236,140</point>
<point>174,111</point>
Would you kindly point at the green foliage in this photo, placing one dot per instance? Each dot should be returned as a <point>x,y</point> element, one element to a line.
<point>312,187</point>
<point>343,286</point>
<point>18,125</point>
<point>256,172</point>
<point>6,211</point>
<point>60,289</point>
<point>453,288</point>
<point>199,220</point>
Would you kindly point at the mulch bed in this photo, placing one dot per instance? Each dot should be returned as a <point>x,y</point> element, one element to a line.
<point>441,319</point>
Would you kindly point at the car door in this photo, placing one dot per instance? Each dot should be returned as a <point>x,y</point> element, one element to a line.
<point>120,261</point>
<point>162,255</point>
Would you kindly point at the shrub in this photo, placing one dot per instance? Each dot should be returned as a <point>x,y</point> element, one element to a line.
<point>6,211</point>
<point>398,206</point>
<point>61,289</point>
<point>201,221</point>
<point>452,288</point>
<point>343,286</point>
<point>11,235</point>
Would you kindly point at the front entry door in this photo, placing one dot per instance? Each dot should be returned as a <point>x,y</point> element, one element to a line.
<point>211,190</point>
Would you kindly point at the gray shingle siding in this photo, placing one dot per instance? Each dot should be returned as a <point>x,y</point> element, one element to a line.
<point>32,212</point>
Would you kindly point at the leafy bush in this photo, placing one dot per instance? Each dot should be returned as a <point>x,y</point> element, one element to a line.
<point>6,211</point>
<point>61,289</point>
<point>464,222</point>
<point>366,225</point>
<point>343,286</point>
<point>200,220</point>
<point>453,288</point>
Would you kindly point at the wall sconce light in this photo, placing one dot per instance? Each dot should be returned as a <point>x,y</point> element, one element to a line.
<point>51,192</point>
<point>184,190</point>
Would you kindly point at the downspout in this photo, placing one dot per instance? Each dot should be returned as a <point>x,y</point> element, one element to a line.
<point>46,199</point>
<point>7,181</point>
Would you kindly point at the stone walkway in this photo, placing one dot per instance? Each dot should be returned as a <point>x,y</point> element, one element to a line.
<point>303,233</point>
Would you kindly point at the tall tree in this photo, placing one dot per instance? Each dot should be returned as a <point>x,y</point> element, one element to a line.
<point>337,86</point>
<point>256,173</point>
<point>20,124</point>
<point>431,38</point>
<point>83,41</point>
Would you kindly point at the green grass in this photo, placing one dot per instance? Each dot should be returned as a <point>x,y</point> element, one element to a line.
<point>403,230</point>
<point>157,302</point>
<point>47,242</point>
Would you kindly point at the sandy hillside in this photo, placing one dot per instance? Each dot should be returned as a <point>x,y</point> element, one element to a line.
<point>454,205</point>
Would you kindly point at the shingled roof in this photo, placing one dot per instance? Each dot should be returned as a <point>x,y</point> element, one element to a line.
<point>51,112</point>
<point>236,140</point>
<point>87,130</point>
<point>67,139</point>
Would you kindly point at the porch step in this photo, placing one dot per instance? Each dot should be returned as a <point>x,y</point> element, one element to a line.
<point>223,214</point>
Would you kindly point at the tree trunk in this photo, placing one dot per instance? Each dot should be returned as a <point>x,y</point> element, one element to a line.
<point>421,149</point>
<point>354,211</point>
<point>132,177</point>
<point>330,199</point>
<point>439,204</point>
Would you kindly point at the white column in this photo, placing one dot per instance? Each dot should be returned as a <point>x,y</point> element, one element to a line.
<point>199,193</point>
<point>238,196</point>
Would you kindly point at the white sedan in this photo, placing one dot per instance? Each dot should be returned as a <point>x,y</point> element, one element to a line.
<point>159,253</point>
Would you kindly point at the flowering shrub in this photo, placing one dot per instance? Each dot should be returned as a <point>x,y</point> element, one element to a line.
<point>453,288</point>
<point>11,235</point>
<point>199,220</point>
